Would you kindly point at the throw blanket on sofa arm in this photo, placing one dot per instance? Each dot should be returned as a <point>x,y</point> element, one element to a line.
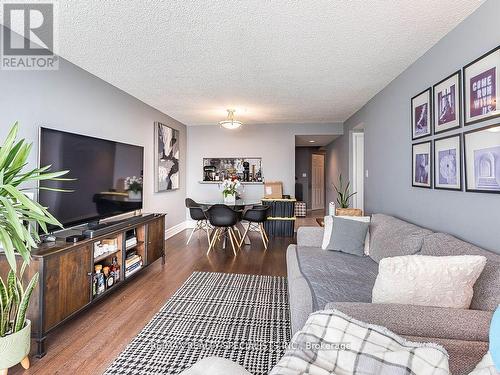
<point>332,342</point>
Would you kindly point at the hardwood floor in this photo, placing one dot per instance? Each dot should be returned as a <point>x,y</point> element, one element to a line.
<point>90,342</point>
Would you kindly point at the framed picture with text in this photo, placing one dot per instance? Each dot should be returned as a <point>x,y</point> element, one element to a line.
<point>481,88</point>
<point>447,103</point>
<point>422,165</point>
<point>448,163</point>
<point>421,119</point>
<point>482,160</point>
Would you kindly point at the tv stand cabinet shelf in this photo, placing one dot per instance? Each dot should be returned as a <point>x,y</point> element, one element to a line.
<point>66,273</point>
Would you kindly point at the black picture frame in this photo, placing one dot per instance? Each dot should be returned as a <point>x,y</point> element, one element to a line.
<point>465,84</point>
<point>431,165</point>
<point>460,163</point>
<point>466,163</point>
<point>459,101</point>
<point>430,111</point>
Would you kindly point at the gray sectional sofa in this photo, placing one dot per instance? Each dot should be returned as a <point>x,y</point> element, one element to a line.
<point>321,279</point>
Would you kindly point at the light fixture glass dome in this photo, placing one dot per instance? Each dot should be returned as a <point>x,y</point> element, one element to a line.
<point>230,123</point>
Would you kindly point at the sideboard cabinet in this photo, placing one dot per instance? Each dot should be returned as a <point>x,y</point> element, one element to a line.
<point>67,272</point>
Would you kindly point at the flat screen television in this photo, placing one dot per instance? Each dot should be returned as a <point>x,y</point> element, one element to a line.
<point>99,168</point>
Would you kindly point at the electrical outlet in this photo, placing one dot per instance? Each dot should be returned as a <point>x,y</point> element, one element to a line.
<point>304,175</point>
<point>366,173</point>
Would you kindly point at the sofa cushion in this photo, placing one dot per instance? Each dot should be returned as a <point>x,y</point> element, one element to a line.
<point>310,236</point>
<point>345,235</point>
<point>446,323</point>
<point>336,277</point>
<point>487,287</point>
<point>426,280</point>
<point>391,237</point>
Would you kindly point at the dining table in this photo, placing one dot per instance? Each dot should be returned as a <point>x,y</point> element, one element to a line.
<point>237,204</point>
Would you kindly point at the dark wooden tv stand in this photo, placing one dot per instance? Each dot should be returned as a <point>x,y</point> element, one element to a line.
<point>66,273</point>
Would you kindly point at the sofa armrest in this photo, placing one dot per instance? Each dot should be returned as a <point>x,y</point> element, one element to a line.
<point>310,236</point>
<point>411,320</point>
<point>215,366</point>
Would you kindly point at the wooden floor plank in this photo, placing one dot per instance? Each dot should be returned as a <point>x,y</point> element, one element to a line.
<point>90,342</point>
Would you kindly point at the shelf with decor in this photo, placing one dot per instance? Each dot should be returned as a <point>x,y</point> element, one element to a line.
<point>67,272</point>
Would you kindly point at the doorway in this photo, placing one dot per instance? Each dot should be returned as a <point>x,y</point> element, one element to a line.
<point>318,182</point>
<point>358,167</point>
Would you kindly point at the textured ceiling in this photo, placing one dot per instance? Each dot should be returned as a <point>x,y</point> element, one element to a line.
<point>279,61</point>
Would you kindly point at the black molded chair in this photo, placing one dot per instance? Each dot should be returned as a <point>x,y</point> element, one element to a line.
<point>223,219</point>
<point>197,214</point>
<point>256,217</point>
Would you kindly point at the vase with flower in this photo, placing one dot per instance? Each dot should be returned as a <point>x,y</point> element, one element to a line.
<point>230,189</point>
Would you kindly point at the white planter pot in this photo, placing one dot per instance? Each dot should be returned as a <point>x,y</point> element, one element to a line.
<point>134,196</point>
<point>230,199</point>
<point>15,348</point>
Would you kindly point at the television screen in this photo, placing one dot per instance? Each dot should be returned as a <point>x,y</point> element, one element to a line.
<point>99,167</point>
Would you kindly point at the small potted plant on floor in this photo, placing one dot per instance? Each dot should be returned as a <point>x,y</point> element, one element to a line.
<point>230,189</point>
<point>343,200</point>
<point>133,185</point>
<point>18,215</point>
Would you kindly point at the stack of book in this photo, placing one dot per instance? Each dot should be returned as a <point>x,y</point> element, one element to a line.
<point>133,264</point>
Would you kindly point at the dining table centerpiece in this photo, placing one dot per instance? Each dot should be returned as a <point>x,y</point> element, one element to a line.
<point>230,189</point>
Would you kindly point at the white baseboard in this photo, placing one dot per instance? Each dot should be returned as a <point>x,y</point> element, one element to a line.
<point>172,231</point>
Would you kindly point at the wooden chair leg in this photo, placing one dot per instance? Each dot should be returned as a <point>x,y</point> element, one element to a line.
<point>265,233</point>
<point>214,239</point>
<point>25,363</point>
<point>208,233</point>
<point>191,235</point>
<point>244,235</point>
<point>262,236</point>
<point>232,238</point>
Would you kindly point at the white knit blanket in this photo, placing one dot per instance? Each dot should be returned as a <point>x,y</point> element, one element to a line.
<point>333,343</point>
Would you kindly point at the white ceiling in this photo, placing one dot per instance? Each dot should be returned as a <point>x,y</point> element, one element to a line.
<point>314,140</point>
<point>280,61</point>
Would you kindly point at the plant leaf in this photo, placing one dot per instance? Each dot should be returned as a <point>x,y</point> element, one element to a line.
<point>7,145</point>
<point>23,306</point>
<point>8,248</point>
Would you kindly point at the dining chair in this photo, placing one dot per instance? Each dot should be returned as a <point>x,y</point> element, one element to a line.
<point>256,217</point>
<point>223,219</point>
<point>197,214</point>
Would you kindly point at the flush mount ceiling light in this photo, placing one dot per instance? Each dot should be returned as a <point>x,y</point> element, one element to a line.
<point>230,123</point>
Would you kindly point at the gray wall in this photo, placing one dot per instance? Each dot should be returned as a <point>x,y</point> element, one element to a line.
<point>74,100</point>
<point>386,117</point>
<point>275,143</point>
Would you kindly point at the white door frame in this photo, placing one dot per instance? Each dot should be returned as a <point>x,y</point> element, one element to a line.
<point>357,171</point>
<point>315,205</point>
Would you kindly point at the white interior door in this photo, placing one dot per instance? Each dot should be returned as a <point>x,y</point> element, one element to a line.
<point>318,182</point>
<point>358,165</point>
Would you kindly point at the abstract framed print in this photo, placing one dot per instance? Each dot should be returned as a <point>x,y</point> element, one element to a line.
<point>482,160</point>
<point>167,155</point>
<point>447,101</point>
<point>421,119</point>
<point>448,163</point>
<point>422,165</point>
<point>481,88</point>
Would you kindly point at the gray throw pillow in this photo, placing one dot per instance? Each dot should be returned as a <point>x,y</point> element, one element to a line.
<point>348,236</point>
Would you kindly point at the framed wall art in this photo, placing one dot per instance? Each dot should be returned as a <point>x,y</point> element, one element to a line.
<point>422,165</point>
<point>447,103</point>
<point>481,88</point>
<point>448,163</point>
<point>167,158</point>
<point>482,159</point>
<point>421,119</point>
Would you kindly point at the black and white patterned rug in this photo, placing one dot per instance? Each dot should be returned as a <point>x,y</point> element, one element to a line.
<point>244,318</point>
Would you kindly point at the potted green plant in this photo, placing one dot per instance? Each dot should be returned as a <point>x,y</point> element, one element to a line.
<point>18,215</point>
<point>344,196</point>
